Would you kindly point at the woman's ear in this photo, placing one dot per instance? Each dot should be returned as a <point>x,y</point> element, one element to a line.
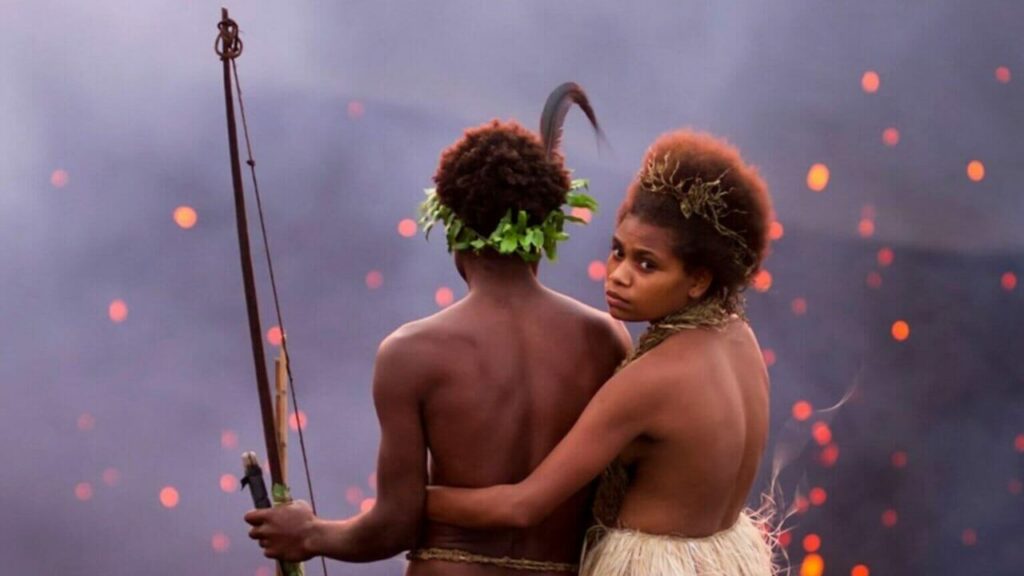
<point>702,278</point>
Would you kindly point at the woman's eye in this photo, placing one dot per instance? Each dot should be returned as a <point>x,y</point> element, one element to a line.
<point>647,265</point>
<point>617,252</point>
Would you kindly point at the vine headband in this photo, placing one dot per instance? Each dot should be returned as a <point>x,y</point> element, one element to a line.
<point>698,197</point>
<point>514,234</point>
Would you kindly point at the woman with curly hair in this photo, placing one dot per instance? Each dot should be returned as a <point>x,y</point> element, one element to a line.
<point>680,430</point>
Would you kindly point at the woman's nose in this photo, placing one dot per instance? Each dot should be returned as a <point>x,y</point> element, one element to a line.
<point>618,273</point>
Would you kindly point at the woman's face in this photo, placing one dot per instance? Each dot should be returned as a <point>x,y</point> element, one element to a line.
<point>646,281</point>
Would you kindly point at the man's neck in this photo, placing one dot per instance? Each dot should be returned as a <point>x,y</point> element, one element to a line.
<point>497,275</point>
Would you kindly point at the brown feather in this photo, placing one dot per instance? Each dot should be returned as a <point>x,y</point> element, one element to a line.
<point>555,110</point>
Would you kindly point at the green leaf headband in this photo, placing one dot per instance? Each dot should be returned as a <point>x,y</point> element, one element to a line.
<point>513,235</point>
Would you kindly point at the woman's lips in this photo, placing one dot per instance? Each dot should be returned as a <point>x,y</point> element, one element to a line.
<point>614,300</point>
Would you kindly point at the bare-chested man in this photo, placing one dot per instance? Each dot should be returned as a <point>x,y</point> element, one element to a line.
<point>482,390</point>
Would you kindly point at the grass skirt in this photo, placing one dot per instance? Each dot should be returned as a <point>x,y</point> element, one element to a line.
<point>743,550</point>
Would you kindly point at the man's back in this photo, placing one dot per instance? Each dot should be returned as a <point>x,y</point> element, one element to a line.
<point>515,373</point>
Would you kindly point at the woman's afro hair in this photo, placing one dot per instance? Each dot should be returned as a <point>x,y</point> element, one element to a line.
<point>497,167</point>
<point>698,244</point>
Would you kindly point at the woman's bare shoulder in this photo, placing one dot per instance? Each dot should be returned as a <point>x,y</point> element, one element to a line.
<point>684,359</point>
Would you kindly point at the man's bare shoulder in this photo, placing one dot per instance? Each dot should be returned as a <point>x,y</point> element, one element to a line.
<point>413,352</point>
<point>597,322</point>
<point>427,332</point>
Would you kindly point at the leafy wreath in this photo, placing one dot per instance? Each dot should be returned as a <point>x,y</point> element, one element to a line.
<point>514,234</point>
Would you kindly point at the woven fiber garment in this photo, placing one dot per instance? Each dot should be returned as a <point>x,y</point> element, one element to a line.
<point>743,550</point>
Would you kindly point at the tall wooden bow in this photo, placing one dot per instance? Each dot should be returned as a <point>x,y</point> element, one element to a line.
<point>229,47</point>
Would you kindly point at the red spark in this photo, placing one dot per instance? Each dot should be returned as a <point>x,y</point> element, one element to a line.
<point>444,296</point>
<point>374,279</point>
<point>407,228</point>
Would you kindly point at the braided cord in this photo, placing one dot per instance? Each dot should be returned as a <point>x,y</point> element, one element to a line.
<point>455,555</point>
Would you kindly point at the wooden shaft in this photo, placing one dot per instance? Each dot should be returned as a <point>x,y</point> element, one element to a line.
<point>281,400</point>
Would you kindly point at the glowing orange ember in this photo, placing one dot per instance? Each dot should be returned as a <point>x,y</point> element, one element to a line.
<point>355,109</point>
<point>817,177</point>
<point>407,228</point>
<point>889,518</point>
<point>802,410</point>
<point>354,495</point>
<point>829,455</point>
<point>769,356</point>
<point>975,170</point>
<point>228,483</point>
<point>111,476</point>
<point>274,336</point>
<point>799,306</point>
<point>169,497</point>
<point>813,565</point>
<point>817,496</point>
<point>220,542</point>
<point>1008,281</point>
<point>885,257</point>
<point>822,433</point>
<point>1018,443</point>
<point>812,543</point>
<point>86,422</point>
<point>444,296</point>
<point>776,231</point>
<point>596,271</point>
<point>59,178</point>
<point>874,280</point>
<point>118,311</point>
<point>860,570</point>
<point>900,330</point>
<point>969,537</point>
<point>890,137</point>
<point>83,491</point>
<point>870,82</point>
<point>374,279</point>
<point>762,281</point>
<point>582,213</point>
<point>785,539</point>
<point>297,419</point>
<point>229,439</point>
<point>866,228</point>
<point>899,459</point>
<point>1003,75</point>
<point>185,217</point>
<point>367,505</point>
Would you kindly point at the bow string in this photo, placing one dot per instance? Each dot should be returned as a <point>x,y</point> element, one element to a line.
<point>228,47</point>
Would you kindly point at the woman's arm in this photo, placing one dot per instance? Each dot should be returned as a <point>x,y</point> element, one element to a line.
<point>618,413</point>
<point>489,507</point>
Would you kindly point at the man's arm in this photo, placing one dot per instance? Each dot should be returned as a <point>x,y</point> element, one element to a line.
<point>391,526</point>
